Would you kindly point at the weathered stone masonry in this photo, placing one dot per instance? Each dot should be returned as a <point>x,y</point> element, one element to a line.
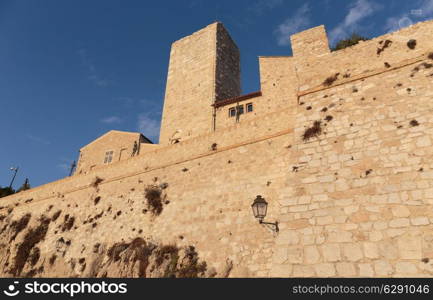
<point>353,197</point>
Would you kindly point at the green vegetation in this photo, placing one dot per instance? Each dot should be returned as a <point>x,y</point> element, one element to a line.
<point>350,41</point>
<point>6,191</point>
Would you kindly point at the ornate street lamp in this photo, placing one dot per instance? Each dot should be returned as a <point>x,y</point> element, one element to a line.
<point>260,206</point>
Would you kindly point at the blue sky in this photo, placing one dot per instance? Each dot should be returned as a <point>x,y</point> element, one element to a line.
<point>72,70</point>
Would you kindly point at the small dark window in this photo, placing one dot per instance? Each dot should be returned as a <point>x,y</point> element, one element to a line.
<point>240,109</point>
<point>249,107</point>
<point>108,157</point>
<point>232,112</point>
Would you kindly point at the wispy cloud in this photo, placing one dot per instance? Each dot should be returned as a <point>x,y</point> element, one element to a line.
<point>129,102</point>
<point>65,164</point>
<point>38,139</point>
<point>126,101</point>
<point>92,73</point>
<point>299,21</point>
<point>261,6</point>
<point>358,11</point>
<point>426,8</point>
<point>422,10</point>
<point>148,126</point>
<point>111,120</point>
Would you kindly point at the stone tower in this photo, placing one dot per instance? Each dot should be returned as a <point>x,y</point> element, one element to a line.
<point>204,67</point>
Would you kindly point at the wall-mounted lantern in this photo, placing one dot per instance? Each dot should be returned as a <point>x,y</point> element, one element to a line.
<point>260,206</point>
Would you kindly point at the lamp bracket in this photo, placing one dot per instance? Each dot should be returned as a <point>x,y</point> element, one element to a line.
<point>274,225</point>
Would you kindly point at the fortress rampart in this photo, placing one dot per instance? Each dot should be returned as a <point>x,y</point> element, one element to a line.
<point>339,143</point>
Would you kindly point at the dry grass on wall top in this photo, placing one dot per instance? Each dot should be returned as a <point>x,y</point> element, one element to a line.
<point>96,181</point>
<point>18,226</point>
<point>32,237</point>
<point>411,44</point>
<point>383,45</point>
<point>330,80</point>
<point>151,260</point>
<point>156,198</point>
<point>312,131</point>
<point>27,255</point>
<point>68,223</point>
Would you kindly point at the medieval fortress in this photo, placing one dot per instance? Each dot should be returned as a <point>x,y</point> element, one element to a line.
<point>338,143</point>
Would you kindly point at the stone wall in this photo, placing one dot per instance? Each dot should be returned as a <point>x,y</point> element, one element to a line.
<point>345,166</point>
<point>359,199</point>
<point>206,204</point>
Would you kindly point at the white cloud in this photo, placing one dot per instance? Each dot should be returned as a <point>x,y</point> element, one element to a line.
<point>260,6</point>
<point>299,21</point>
<point>38,139</point>
<point>423,10</point>
<point>129,102</point>
<point>111,120</point>
<point>93,75</point>
<point>395,23</point>
<point>358,11</point>
<point>65,164</point>
<point>426,8</point>
<point>126,101</point>
<point>148,126</point>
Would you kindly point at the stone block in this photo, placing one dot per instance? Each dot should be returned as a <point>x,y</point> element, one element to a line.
<point>352,252</point>
<point>365,270</point>
<point>311,254</point>
<point>303,271</point>
<point>287,237</point>
<point>383,268</point>
<point>371,250</point>
<point>280,255</point>
<point>345,269</point>
<point>405,268</point>
<point>331,252</point>
<point>282,271</point>
<point>400,211</point>
<point>419,221</point>
<point>325,270</point>
<point>410,247</point>
<point>295,254</point>
<point>402,222</point>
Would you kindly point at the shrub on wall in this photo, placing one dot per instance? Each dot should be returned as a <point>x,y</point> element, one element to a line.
<point>153,195</point>
<point>348,42</point>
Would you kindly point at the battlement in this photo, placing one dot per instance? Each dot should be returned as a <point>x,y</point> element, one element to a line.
<point>310,43</point>
<point>315,63</point>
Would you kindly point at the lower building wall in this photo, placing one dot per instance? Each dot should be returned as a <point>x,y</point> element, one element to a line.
<point>207,205</point>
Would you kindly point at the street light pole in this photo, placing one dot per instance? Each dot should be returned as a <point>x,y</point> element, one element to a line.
<point>15,174</point>
<point>73,165</point>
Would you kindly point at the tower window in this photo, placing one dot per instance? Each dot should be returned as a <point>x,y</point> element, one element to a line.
<point>249,107</point>
<point>108,157</point>
<point>232,112</point>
